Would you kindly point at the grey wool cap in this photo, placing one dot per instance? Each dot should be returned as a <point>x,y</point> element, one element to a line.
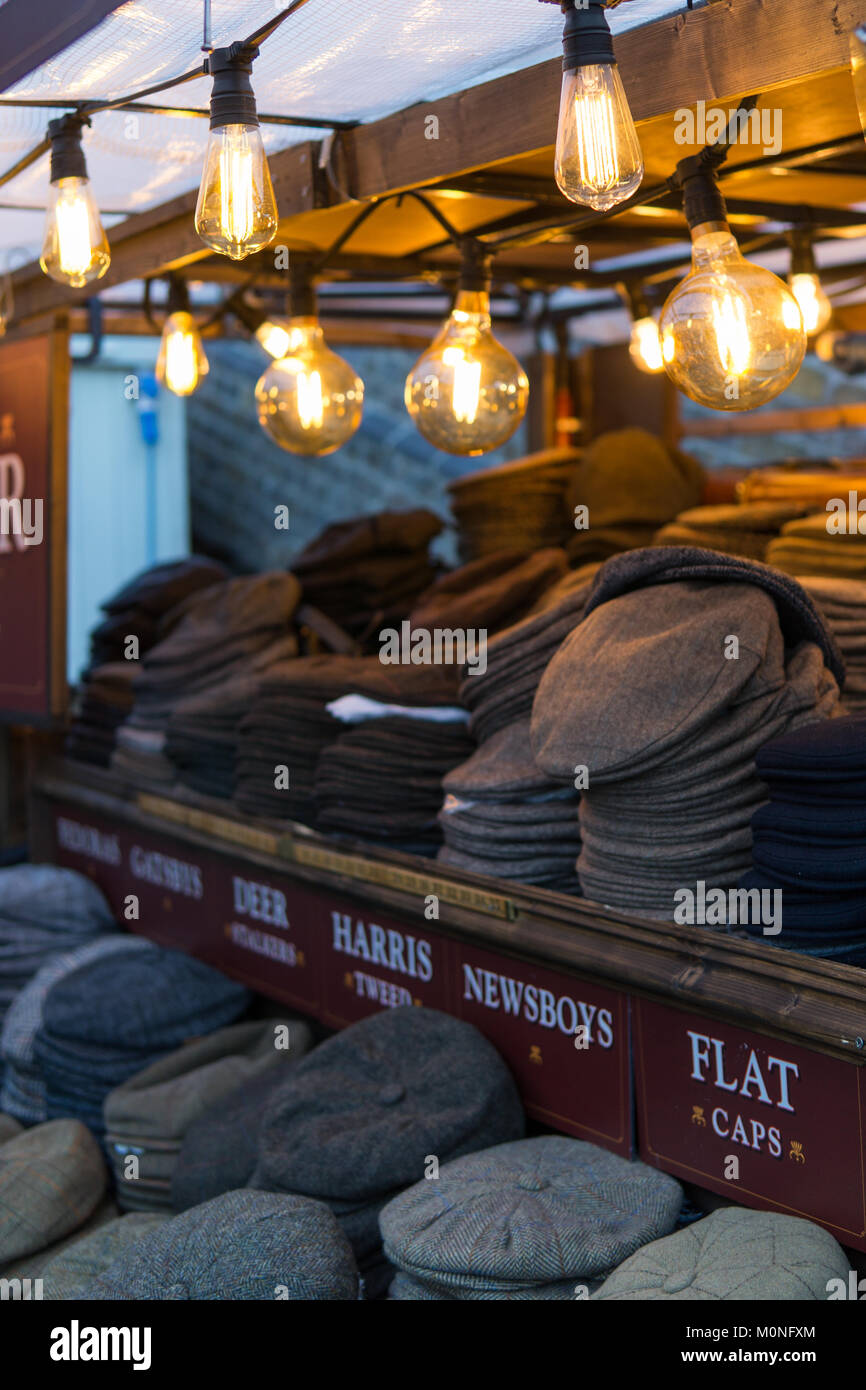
<point>733,1254</point>
<point>9,1127</point>
<point>69,1273</point>
<point>358,1116</point>
<point>51,1178</point>
<point>242,1245</point>
<point>539,1211</point>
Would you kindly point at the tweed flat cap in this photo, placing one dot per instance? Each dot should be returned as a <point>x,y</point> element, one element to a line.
<point>69,1273</point>
<point>150,1113</point>
<point>733,1254</point>
<point>538,1211</point>
<point>357,1117</point>
<point>243,1245</point>
<point>51,1179</point>
<point>33,1266</point>
<point>799,618</point>
<point>404,1289</point>
<point>630,476</point>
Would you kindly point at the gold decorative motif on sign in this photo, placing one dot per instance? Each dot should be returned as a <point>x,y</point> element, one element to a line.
<point>797,1151</point>
<point>300,959</point>
<point>535,1055</point>
<point>698,1115</point>
<point>166,904</point>
<point>418,1003</point>
<point>349,980</point>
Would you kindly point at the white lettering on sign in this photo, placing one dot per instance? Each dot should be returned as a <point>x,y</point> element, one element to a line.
<point>85,839</point>
<point>20,516</point>
<point>537,1005</point>
<point>739,1132</point>
<point>160,869</point>
<point>754,1084</point>
<point>395,950</point>
<point>384,992</point>
<point>262,943</point>
<point>261,903</point>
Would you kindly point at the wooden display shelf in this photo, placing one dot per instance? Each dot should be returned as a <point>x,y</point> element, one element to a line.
<point>694,1046</point>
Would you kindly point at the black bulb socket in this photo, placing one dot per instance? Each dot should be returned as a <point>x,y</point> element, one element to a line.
<point>302,300</point>
<point>232,99</point>
<point>703,200</point>
<point>67,152</point>
<point>586,37</point>
<point>802,255</point>
<point>475,267</point>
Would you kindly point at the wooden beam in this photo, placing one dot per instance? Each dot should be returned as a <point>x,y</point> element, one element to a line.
<point>821,417</point>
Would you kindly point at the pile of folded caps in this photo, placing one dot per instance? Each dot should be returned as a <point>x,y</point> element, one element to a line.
<point>143,608</point>
<point>515,506</point>
<point>503,690</point>
<point>239,627</point>
<point>504,816</point>
<point>148,1116</point>
<point>821,544</point>
<point>810,839</point>
<point>537,1219</point>
<point>289,725</point>
<point>842,605</point>
<point>381,779</point>
<point>103,701</point>
<point>44,911</point>
<point>744,530</point>
<point>733,1254</point>
<point>809,488</point>
<point>113,1016</point>
<point>686,664</point>
<point>367,573</point>
<point>627,484</point>
<point>358,1118</point>
<point>23,1092</point>
<point>490,593</point>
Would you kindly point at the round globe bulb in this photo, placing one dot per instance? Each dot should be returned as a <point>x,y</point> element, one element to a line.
<point>310,401</point>
<point>814,304</point>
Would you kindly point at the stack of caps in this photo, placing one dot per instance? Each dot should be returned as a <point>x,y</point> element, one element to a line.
<point>824,544</point>
<point>543,1218</point>
<point>44,911</point>
<point>358,1119</point>
<point>744,530</point>
<point>104,701</point>
<point>517,506</point>
<point>23,1093</point>
<point>368,572</point>
<point>733,1254</point>
<point>678,674</point>
<point>810,839</point>
<point>382,778</point>
<point>52,1180</point>
<point>289,725</point>
<point>503,816</point>
<point>809,489</point>
<point>503,691</point>
<point>627,484</point>
<point>488,594</point>
<point>842,605</point>
<point>148,1117</point>
<point>243,1245</point>
<point>111,1017</point>
<point>238,627</point>
<point>143,607</point>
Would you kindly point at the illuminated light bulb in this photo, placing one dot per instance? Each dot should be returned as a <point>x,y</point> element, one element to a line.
<point>598,156</point>
<point>645,348</point>
<point>182,362</point>
<point>467,394</point>
<point>75,248</point>
<point>806,285</point>
<point>237,211</point>
<point>732,333</point>
<point>274,336</point>
<point>310,401</point>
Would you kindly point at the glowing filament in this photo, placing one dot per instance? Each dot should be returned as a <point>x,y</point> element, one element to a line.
<point>596,135</point>
<point>311,405</point>
<point>732,334</point>
<point>73,234</point>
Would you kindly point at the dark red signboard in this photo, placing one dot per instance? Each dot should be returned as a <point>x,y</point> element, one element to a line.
<point>566,1041</point>
<point>33,443</point>
<point>708,1092</point>
<point>371,961</point>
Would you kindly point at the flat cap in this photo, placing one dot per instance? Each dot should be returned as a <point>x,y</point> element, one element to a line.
<point>538,1211</point>
<point>69,1273</point>
<point>51,1179</point>
<point>734,1254</point>
<point>243,1245</point>
<point>358,1116</point>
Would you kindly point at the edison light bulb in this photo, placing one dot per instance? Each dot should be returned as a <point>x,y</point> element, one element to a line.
<point>814,304</point>
<point>237,210</point>
<point>274,335</point>
<point>75,249</point>
<point>310,401</point>
<point>466,393</point>
<point>645,348</point>
<point>598,155</point>
<point>182,362</point>
<point>732,333</point>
